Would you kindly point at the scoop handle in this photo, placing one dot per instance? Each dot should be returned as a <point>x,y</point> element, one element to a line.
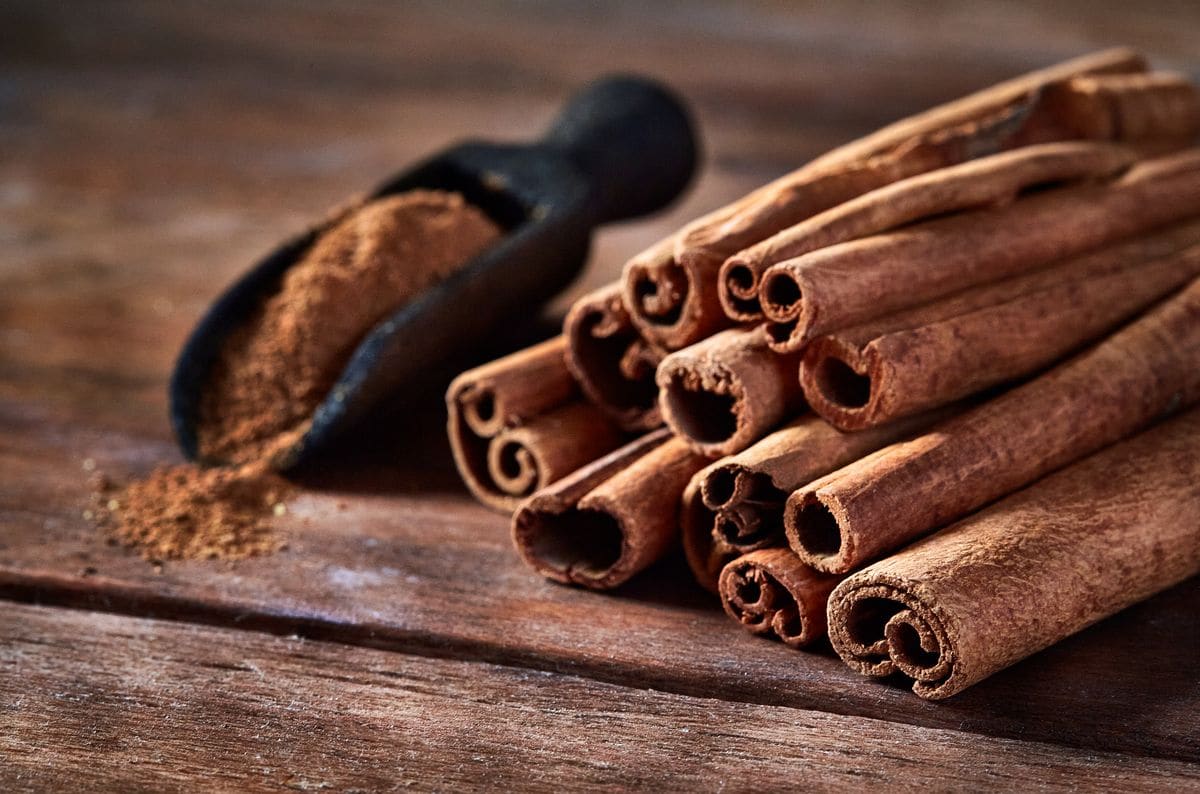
<point>632,139</point>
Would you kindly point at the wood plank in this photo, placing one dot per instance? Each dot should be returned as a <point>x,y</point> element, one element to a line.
<point>102,702</point>
<point>154,150</point>
<point>397,557</point>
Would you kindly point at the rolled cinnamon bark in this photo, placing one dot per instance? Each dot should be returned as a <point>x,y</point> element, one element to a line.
<point>531,390</point>
<point>548,447</point>
<point>854,282</point>
<point>735,505</point>
<point>512,389</point>
<point>862,511</point>
<point>988,181</point>
<point>706,555</point>
<point>672,295</point>
<point>600,526</point>
<point>771,591</point>
<point>872,374</point>
<point>723,393</point>
<point>612,362</point>
<point>1040,565</point>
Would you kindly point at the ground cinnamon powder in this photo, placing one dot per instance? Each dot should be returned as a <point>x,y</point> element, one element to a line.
<point>192,512</point>
<point>281,364</point>
<point>277,368</point>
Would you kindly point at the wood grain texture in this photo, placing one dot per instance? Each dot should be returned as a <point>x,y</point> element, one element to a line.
<point>151,705</point>
<point>153,151</point>
<point>399,558</point>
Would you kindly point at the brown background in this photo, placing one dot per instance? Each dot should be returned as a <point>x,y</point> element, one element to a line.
<point>152,150</point>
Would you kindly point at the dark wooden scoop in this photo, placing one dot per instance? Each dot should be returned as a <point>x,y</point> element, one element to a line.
<point>622,147</point>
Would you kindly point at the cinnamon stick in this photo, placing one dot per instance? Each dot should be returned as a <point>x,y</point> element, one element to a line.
<point>612,362</point>
<point>735,505</point>
<point>673,296</point>
<point>771,591</point>
<point>512,389</point>
<point>853,282</point>
<point>599,527</point>
<point>706,554</point>
<point>1030,570</point>
<point>529,389</point>
<point>862,511</point>
<point>1132,107</point>
<point>723,393</point>
<point>943,351</point>
<point>988,181</point>
<point>525,458</point>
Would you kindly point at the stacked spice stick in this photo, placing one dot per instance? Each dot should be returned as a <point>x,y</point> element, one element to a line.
<point>930,394</point>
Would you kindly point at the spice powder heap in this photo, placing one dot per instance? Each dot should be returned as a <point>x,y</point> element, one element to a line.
<point>191,512</point>
<point>275,371</point>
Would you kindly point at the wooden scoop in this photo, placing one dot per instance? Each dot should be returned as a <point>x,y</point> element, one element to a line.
<point>622,147</point>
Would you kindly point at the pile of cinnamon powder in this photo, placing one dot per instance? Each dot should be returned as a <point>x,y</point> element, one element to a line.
<point>278,367</point>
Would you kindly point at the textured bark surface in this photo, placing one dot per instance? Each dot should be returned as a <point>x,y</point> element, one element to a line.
<point>989,180</point>
<point>854,282</point>
<point>1082,544</point>
<point>1144,371</point>
<point>946,350</point>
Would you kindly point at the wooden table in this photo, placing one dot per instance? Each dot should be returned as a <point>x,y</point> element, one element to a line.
<point>152,150</point>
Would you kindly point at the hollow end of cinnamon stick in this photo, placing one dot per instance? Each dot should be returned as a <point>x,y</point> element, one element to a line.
<point>478,405</point>
<point>745,507</point>
<point>771,592</point>
<point>838,381</point>
<point>488,401</point>
<point>883,626</point>
<point>722,484</point>
<point>738,284</point>
<point>601,538</point>
<point>470,452</point>
<point>705,557</point>
<point>573,546</point>
<point>525,458</point>
<point>725,392</point>
<point>614,365</point>
<point>814,528</point>
<point>712,417</point>
<point>671,294</point>
<point>561,542</point>
<point>782,300</point>
<point>656,290</point>
<point>781,294</point>
<point>512,389</point>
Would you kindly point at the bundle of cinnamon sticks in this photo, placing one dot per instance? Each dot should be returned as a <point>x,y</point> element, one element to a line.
<point>930,394</point>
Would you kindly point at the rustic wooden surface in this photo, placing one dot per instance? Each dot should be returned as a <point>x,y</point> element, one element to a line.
<point>153,150</point>
<point>131,706</point>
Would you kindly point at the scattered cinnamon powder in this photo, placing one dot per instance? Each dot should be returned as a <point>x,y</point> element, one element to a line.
<point>276,370</point>
<point>192,512</point>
